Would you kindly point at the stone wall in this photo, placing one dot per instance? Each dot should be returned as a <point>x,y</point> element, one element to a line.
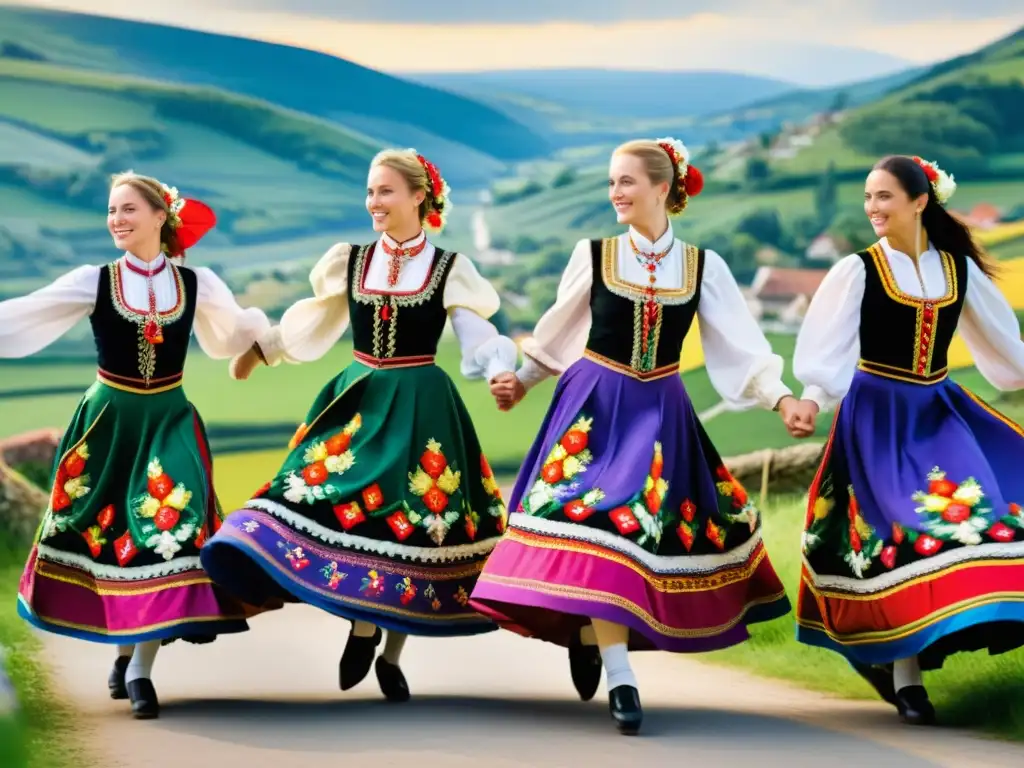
<point>21,502</point>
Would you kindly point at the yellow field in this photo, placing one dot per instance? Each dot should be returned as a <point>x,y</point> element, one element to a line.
<point>1001,233</point>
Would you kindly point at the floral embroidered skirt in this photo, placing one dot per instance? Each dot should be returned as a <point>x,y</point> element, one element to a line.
<point>914,540</point>
<point>625,512</point>
<point>384,510</point>
<point>116,558</point>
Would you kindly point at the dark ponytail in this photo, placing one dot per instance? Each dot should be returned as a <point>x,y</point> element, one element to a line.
<point>944,230</point>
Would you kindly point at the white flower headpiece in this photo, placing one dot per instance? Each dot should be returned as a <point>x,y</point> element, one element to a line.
<point>682,154</point>
<point>942,182</point>
<point>174,204</point>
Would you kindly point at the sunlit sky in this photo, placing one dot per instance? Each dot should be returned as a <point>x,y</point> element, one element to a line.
<point>813,42</point>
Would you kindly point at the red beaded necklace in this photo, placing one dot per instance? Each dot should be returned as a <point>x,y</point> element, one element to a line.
<point>152,331</point>
<point>396,255</point>
<point>650,262</point>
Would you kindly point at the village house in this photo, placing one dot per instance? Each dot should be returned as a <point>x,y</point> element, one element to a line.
<point>779,296</point>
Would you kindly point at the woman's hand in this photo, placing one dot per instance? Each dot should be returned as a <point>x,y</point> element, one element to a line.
<point>242,366</point>
<point>508,390</point>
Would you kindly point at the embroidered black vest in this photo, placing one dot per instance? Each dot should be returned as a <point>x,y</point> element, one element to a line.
<point>123,353</point>
<point>645,342</point>
<point>905,337</point>
<point>397,328</point>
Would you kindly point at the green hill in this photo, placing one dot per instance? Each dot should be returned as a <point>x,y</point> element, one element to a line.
<point>967,113</point>
<point>386,108</point>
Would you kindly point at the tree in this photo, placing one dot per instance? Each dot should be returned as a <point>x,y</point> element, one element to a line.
<point>855,229</point>
<point>757,169</point>
<point>763,225</point>
<point>839,101</point>
<point>826,197</point>
<point>929,129</point>
<point>742,256</point>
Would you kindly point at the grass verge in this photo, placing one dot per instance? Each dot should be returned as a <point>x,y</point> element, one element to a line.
<point>973,690</point>
<point>41,734</point>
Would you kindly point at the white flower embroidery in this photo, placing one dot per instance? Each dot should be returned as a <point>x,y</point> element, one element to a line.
<point>250,526</point>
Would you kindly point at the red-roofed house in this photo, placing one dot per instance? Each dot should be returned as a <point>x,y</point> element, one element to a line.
<point>784,293</point>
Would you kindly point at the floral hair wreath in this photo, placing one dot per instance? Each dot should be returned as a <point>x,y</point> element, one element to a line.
<point>942,183</point>
<point>691,180</point>
<point>439,191</point>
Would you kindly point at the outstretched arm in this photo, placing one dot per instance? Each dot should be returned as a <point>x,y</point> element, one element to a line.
<point>738,358</point>
<point>471,301</point>
<point>32,322</point>
<point>223,328</point>
<point>309,327</point>
<point>991,331</point>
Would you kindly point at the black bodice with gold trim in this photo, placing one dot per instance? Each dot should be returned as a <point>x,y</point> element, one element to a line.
<point>902,336</point>
<point>118,329</point>
<point>618,310</point>
<point>394,326</point>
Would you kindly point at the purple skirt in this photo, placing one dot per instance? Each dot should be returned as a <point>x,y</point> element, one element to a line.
<point>624,511</point>
<point>914,536</point>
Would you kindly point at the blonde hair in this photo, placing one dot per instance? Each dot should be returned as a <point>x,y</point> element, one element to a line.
<point>408,164</point>
<point>659,168</point>
<point>152,192</point>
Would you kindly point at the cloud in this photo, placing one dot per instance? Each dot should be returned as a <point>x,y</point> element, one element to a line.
<point>880,12</point>
<point>820,42</point>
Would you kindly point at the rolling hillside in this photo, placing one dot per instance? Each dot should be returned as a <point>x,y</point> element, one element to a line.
<point>967,113</point>
<point>384,108</point>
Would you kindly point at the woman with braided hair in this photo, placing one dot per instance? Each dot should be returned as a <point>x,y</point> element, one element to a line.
<point>627,531</point>
<point>913,546</point>
<point>116,559</point>
<point>386,508</point>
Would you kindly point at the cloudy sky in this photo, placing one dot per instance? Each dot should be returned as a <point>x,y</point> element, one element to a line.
<point>814,42</point>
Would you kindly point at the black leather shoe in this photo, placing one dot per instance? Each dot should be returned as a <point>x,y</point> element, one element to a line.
<point>391,680</point>
<point>624,703</point>
<point>145,705</point>
<point>914,706</point>
<point>878,677</point>
<point>115,682</point>
<point>585,668</point>
<point>356,660</point>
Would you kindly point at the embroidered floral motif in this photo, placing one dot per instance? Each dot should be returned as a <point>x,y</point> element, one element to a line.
<point>295,556</point>
<point>323,458</point>
<point>373,585</point>
<point>745,510</point>
<point>863,544</point>
<point>462,597</point>
<point>496,508</point>
<point>435,481</point>
<point>250,526</point>
<point>161,509</point>
<point>298,437</point>
<point>953,512</point>
<point>406,591</point>
<point>580,509</point>
<point>71,483</point>
<point>567,459</point>
<point>94,539</point>
<point>333,575</point>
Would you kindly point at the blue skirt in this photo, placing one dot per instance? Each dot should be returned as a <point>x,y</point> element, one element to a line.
<point>914,536</point>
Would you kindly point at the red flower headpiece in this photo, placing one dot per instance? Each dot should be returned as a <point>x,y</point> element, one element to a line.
<point>191,219</point>
<point>439,192</point>
<point>690,177</point>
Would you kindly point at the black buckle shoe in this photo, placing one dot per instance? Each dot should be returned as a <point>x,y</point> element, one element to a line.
<point>914,706</point>
<point>585,668</point>
<point>357,658</point>
<point>115,682</point>
<point>391,680</point>
<point>878,677</point>
<point>624,703</point>
<point>145,705</point>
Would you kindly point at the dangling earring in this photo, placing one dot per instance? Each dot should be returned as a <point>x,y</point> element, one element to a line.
<point>917,238</point>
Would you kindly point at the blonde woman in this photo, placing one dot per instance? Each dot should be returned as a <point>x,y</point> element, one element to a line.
<point>116,559</point>
<point>627,531</point>
<point>385,509</point>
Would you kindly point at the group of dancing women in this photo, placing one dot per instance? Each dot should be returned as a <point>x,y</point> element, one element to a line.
<point>625,530</point>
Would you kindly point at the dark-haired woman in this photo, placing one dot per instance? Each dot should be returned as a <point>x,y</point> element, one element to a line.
<point>914,537</point>
<point>116,559</point>
<point>628,531</point>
